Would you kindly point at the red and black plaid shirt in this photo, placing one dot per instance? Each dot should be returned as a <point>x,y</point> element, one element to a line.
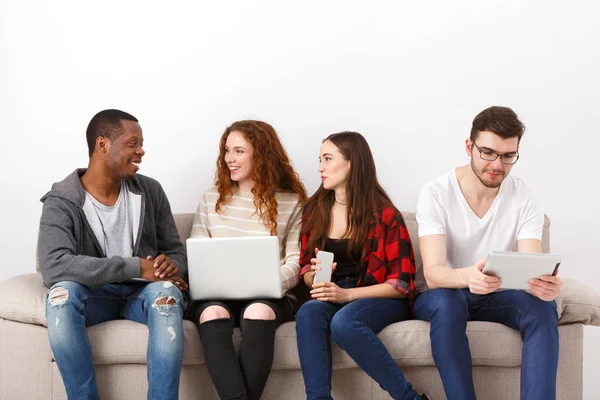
<point>389,256</point>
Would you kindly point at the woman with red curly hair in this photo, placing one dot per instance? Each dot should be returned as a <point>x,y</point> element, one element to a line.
<point>257,192</point>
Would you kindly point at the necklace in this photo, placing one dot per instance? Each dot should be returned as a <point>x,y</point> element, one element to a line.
<point>340,202</point>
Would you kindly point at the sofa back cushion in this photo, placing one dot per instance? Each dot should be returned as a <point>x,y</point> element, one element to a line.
<point>184,225</point>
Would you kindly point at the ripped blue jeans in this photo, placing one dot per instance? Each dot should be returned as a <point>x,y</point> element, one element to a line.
<point>71,307</point>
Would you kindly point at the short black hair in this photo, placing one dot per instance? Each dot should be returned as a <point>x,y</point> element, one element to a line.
<point>106,123</point>
<point>503,121</point>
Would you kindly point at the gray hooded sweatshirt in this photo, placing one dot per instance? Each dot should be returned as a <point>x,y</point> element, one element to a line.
<point>68,249</point>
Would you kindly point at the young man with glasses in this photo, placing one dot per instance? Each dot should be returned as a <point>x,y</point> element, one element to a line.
<point>462,215</point>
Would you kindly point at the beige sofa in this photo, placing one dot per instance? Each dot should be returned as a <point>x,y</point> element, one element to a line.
<point>28,371</point>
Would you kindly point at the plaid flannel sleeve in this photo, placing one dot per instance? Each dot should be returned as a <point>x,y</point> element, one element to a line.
<point>305,255</point>
<point>400,271</point>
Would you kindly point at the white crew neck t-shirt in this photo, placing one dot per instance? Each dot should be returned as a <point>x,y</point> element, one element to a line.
<point>443,210</point>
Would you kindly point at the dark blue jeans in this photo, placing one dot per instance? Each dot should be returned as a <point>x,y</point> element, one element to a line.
<point>448,310</point>
<point>353,327</point>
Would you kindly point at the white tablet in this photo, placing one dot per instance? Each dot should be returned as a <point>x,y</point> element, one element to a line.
<point>516,269</point>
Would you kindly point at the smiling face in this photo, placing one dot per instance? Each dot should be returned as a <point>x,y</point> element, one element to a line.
<point>124,154</point>
<point>239,157</point>
<point>333,167</point>
<point>491,173</point>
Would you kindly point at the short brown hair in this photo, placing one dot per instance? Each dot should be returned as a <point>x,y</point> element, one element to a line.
<point>503,121</point>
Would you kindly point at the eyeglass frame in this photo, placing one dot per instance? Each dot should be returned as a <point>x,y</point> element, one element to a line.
<point>480,150</point>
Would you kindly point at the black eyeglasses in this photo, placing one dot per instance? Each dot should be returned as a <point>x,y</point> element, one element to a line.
<point>489,155</point>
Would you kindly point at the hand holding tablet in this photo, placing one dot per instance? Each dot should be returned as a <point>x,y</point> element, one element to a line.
<point>517,269</point>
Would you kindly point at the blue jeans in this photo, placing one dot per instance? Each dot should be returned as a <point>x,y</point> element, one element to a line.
<point>71,307</point>
<point>354,328</point>
<point>448,310</point>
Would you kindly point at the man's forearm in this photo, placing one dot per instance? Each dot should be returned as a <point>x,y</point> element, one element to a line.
<point>440,276</point>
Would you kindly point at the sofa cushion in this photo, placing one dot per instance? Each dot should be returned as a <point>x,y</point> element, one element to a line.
<point>408,343</point>
<point>578,303</point>
<point>184,225</point>
<point>24,299</point>
<point>491,344</point>
<point>125,342</point>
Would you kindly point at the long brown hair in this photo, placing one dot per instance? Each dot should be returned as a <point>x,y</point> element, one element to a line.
<point>272,171</point>
<point>364,197</point>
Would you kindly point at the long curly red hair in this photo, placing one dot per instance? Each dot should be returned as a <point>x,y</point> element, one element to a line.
<point>272,171</point>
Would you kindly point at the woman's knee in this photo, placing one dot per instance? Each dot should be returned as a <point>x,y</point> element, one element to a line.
<point>213,312</point>
<point>311,311</point>
<point>359,314</point>
<point>259,311</point>
<point>342,327</point>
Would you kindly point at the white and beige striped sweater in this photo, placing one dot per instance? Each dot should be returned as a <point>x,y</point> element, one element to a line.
<point>239,218</point>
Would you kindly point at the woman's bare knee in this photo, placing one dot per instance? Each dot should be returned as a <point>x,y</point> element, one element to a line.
<point>259,311</point>
<point>212,313</point>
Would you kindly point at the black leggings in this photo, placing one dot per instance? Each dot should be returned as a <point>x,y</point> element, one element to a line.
<point>243,377</point>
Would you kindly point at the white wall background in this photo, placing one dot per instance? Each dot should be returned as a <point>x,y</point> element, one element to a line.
<point>410,76</point>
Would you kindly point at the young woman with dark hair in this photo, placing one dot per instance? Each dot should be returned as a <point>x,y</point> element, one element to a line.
<point>351,216</point>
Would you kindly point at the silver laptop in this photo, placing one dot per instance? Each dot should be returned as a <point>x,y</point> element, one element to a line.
<point>234,268</point>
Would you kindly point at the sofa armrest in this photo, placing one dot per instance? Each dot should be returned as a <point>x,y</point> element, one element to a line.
<point>578,303</point>
<point>23,299</point>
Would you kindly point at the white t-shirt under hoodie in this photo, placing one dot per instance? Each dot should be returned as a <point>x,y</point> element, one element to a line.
<point>443,210</point>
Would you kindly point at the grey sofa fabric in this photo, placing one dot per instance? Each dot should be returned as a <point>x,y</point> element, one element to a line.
<point>27,369</point>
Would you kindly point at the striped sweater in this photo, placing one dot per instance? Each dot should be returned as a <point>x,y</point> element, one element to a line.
<point>239,218</point>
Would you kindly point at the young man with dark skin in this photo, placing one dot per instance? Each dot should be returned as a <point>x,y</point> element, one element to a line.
<point>462,215</point>
<point>108,248</point>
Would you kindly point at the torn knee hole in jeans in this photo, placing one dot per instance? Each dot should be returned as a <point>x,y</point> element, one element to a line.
<point>165,300</point>
<point>163,303</point>
<point>58,296</point>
